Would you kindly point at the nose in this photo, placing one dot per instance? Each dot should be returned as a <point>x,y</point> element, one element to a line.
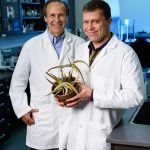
<point>90,26</point>
<point>57,19</point>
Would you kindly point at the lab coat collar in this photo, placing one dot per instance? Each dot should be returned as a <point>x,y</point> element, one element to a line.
<point>65,47</point>
<point>46,37</point>
<point>107,49</point>
<point>48,48</point>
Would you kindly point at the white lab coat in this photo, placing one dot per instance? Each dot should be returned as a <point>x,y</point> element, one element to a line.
<point>117,79</point>
<point>36,57</point>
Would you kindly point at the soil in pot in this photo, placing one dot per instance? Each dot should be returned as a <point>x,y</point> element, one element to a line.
<point>63,98</point>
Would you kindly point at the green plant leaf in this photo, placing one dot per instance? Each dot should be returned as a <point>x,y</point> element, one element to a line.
<point>70,87</point>
<point>49,81</point>
<point>77,68</point>
<point>67,82</point>
<point>57,79</point>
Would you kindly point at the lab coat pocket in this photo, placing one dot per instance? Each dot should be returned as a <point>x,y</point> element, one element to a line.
<point>44,123</point>
<point>45,115</point>
<point>97,134</point>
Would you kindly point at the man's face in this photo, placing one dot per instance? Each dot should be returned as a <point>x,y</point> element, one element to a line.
<point>95,26</point>
<point>56,18</point>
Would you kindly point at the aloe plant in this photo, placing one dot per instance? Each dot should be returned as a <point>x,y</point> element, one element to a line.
<point>67,83</point>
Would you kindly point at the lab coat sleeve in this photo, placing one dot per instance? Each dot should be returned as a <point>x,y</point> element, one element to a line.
<point>131,92</point>
<point>19,83</point>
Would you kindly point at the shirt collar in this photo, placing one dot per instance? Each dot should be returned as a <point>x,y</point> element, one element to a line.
<point>91,46</point>
<point>54,39</point>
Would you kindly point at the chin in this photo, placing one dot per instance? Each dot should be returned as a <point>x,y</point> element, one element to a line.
<point>93,39</point>
<point>57,34</point>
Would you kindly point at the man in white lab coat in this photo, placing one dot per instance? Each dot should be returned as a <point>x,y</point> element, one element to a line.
<point>53,47</point>
<point>114,82</point>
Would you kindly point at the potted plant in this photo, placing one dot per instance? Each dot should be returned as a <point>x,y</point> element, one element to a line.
<point>66,85</point>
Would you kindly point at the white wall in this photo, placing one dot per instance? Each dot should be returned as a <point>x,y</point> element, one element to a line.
<point>115,8</point>
<point>139,10</point>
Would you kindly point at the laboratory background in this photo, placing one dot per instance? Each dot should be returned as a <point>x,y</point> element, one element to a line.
<point>21,20</point>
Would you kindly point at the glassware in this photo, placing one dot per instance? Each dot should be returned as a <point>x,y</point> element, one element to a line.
<point>126,30</point>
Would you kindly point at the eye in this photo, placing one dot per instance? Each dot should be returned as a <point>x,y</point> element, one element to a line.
<point>52,15</point>
<point>61,15</point>
<point>85,22</point>
<point>97,21</point>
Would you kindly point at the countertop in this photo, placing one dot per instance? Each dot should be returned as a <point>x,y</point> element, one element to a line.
<point>16,40</point>
<point>128,133</point>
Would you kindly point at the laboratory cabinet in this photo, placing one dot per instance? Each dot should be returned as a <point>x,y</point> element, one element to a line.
<point>5,109</point>
<point>8,119</point>
<point>21,16</point>
<point>10,17</point>
<point>32,15</point>
<point>8,59</point>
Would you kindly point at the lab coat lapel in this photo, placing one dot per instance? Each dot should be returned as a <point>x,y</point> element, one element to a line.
<point>107,49</point>
<point>49,50</point>
<point>65,47</point>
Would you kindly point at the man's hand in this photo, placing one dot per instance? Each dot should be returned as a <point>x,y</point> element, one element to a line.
<point>28,118</point>
<point>86,93</point>
<point>60,103</point>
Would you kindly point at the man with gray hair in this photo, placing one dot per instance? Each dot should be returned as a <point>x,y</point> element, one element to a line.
<point>53,47</point>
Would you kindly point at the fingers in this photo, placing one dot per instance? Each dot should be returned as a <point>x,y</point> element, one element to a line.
<point>28,118</point>
<point>73,103</point>
<point>75,98</point>
<point>60,103</point>
<point>35,110</point>
<point>68,103</point>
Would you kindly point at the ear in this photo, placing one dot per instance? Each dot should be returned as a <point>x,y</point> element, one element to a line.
<point>45,19</point>
<point>109,20</point>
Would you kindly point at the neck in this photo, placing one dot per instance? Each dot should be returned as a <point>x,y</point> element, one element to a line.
<point>102,41</point>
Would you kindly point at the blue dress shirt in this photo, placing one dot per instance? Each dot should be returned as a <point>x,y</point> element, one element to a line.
<point>57,42</point>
